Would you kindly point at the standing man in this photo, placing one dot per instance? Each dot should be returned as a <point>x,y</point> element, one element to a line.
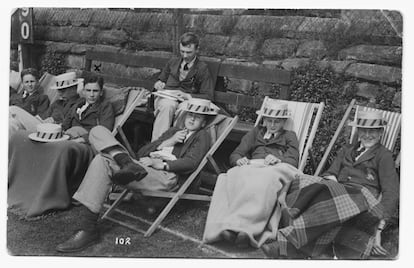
<point>184,77</point>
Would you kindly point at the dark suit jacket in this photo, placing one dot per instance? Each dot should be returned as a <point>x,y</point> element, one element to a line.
<point>374,170</point>
<point>253,145</point>
<point>99,113</point>
<point>59,108</point>
<point>189,154</point>
<point>34,104</point>
<point>198,81</point>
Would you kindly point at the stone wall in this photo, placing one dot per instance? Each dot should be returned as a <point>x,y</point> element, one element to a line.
<point>362,44</point>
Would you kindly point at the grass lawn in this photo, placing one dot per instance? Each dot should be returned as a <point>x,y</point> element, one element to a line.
<point>39,238</point>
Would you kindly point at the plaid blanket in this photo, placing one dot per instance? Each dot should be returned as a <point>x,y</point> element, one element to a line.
<point>315,209</point>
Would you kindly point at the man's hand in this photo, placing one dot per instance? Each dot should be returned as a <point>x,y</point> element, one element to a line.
<point>159,85</point>
<point>185,96</point>
<point>242,161</point>
<point>79,140</point>
<point>146,161</point>
<point>49,120</point>
<point>331,177</point>
<point>157,163</point>
<point>377,249</point>
<point>271,160</point>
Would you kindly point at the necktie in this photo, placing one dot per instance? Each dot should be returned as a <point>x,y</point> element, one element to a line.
<point>185,67</point>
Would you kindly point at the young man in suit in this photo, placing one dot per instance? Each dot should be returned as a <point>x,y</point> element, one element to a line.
<point>161,163</point>
<point>184,77</point>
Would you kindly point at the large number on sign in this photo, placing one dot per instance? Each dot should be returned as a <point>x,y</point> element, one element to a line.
<point>25,11</point>
<point>25,30</point>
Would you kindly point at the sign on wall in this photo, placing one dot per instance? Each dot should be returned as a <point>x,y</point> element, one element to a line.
<point>22,26</point>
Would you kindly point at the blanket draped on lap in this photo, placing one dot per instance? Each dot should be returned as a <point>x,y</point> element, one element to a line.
<point>314,211</point>
<point>245,200</point>
<point>43,176</point>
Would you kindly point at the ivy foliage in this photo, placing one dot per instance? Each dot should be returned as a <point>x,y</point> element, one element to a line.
<point>53,62</point>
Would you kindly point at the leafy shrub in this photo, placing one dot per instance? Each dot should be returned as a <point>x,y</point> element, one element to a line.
<point>53,62</point>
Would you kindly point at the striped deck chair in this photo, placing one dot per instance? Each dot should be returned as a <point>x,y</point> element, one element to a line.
<point>304,115</point>
<point>389,138</point>
<point>218,131</point>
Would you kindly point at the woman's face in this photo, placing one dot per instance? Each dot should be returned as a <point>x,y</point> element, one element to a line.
<point>29,83</point>
<point>274,125</point>
<point>369,136</point>
<point>92,92</point>
<point>194,122</point>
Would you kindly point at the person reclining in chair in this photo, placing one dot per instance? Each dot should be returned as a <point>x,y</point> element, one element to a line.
<point>184,77</point>
<point>318,209</point>
<point>173,156</point>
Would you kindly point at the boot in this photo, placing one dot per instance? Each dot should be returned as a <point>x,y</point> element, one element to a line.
<point>129,170</point>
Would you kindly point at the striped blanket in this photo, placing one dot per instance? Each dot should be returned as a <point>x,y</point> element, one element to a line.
<point>315,209</point>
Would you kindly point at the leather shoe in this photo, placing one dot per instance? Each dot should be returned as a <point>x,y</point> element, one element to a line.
<point>271,250</point>
<point>79,241</point>
<point>129,172</point>
<point>228,235</point>
<point>242,240</point>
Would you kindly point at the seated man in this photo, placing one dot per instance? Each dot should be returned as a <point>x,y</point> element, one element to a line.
<point>187,77</point>
<point>316,209</point>
<point>242,205</point>
<point>177,152</point>
<point>66,86</point>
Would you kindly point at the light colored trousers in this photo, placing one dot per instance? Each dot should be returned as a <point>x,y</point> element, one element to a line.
<point>165,112</point>
<point>97,181</point>
<point>21,119</point>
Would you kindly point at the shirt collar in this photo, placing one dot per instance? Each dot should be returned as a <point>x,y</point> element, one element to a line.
<point>190,64</point>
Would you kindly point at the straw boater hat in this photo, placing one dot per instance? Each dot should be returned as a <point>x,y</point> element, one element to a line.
<point>369,119</point>
<point>48,132</point>
<point>67,80</point>
<point>275,109</point>
<point>200,106</point>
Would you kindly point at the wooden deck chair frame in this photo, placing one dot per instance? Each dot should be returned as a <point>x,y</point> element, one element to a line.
<point>389,137</point>
<point>134,97</point>
<point>300,122</point>
<point>180,193</point>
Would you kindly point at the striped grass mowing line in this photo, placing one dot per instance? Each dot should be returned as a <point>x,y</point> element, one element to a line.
<point>168,230</point>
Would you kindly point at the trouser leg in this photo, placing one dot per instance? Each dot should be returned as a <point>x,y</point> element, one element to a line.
<point>164,115</point>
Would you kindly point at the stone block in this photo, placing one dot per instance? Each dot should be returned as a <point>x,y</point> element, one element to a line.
<point>75,61</point>
<point>279,47</point>
<point>60,17</point>
<point>373,54</point>
<point>152,40</point>
<point>59,46</point>
<point>82,17</point>
<point>367,90</point>
<point>42,16</point>
<point>145,21</point>
<point>312,49</point>
<point>244,46</point>
<point>336,65</point>
<point>106,19</point>
<point>316,28</point>
<point>112,37</point>
<point>294,63</point>
<point>372,72</point>
<point>215,24</point>
<point>82,35</point>
<point>81,48</point>
<point>215,44</point>
<point>106,48</point>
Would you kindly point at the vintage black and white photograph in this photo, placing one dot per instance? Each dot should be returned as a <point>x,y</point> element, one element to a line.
<point>205,133</point>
